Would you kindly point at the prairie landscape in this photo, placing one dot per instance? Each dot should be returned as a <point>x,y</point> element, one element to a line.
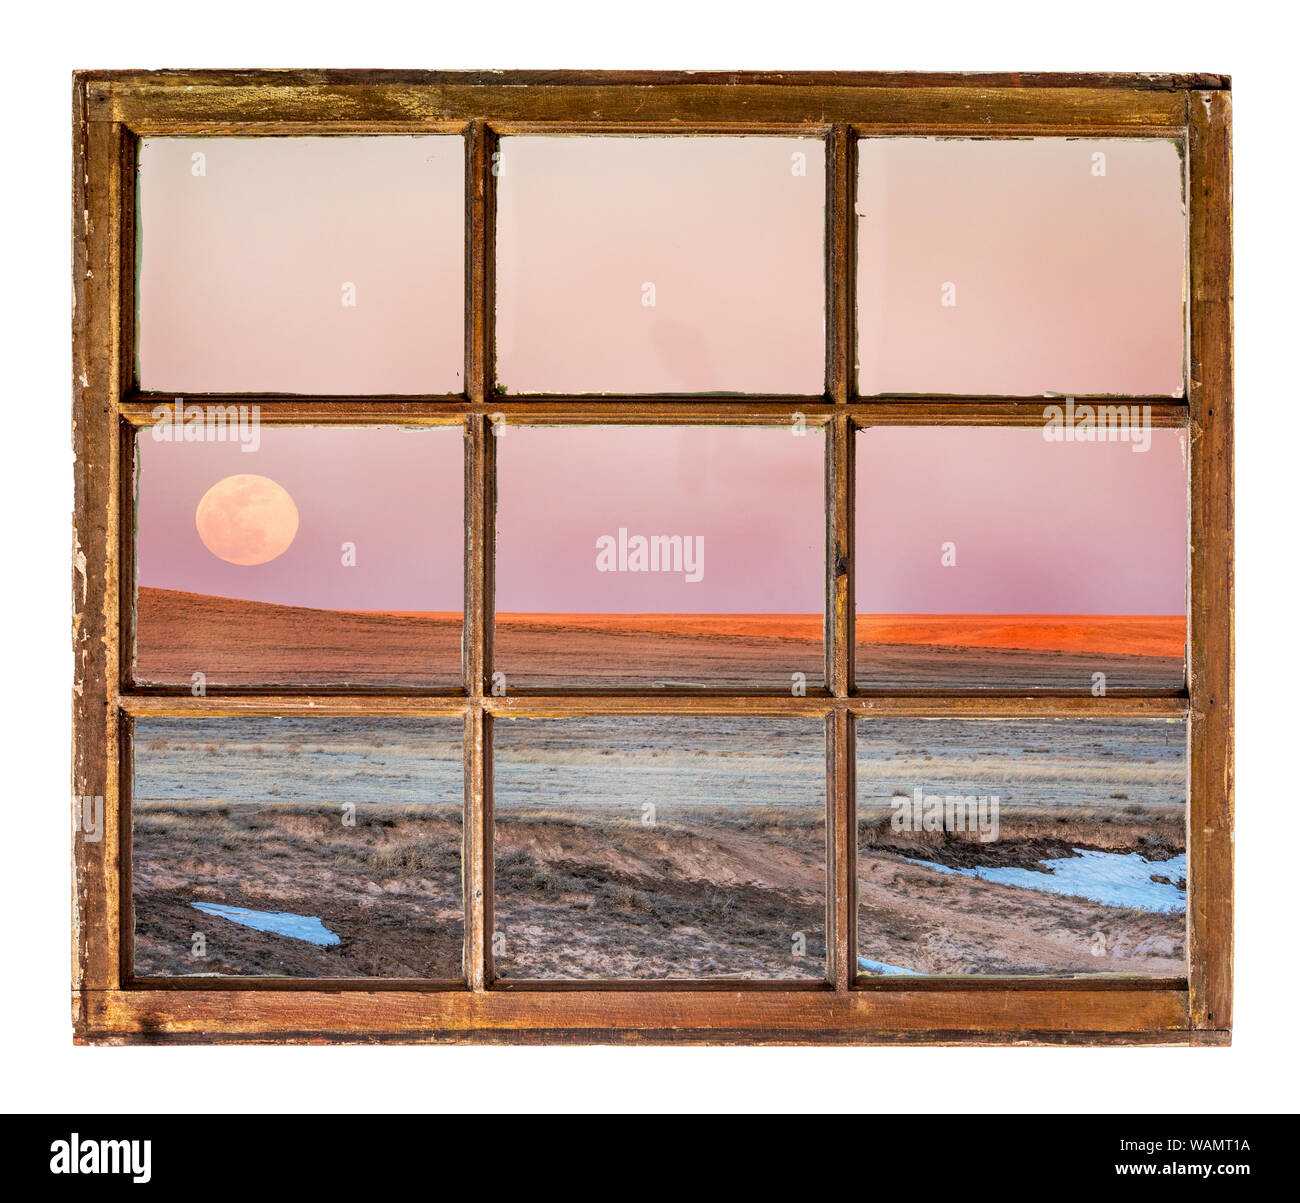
<point>655,847</point>
<point>1019,651</point>
<point>352,823</point>
<point>894,651</point>
<point>586,651</point>
<point>237,642</point>
<point>1086,875</point>
<point>240,643</point>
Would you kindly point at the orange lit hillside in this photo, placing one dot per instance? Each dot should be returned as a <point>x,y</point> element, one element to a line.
<point>767,626</point>
<point>1109,634</point>
<point>231,636</point>
<point>1102,634</point>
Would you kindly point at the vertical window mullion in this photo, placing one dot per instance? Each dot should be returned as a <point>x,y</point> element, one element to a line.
<point>480,490</point>
<point>839,552</point>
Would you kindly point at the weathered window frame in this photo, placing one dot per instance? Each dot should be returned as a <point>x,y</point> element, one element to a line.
<point>112,110</point>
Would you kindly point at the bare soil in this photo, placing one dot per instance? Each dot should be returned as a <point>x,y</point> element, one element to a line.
<point>725,897</point>
<point>389,888</point>
<point>582,898</point>
<point>939,923</point>
<point>235,642</point>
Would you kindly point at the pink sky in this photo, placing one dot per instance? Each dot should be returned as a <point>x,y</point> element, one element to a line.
<point>397,494</point>
<point>1066,281</point>
<point>1047,528</point>
<point>731,239</point>
<point>754,494</point>
<point>242,268</point>
<point>1039,527</point>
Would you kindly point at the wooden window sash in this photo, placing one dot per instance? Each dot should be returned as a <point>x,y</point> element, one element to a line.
<point>113,110</point>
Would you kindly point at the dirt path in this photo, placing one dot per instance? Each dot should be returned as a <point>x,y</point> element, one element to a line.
<point>728,895</point>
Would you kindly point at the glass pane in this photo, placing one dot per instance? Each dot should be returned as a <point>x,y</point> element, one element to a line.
<point>328,556</point>
<point>660,556</point>
<point>297,847</point>
<point>302,265</point>
<point>995,558</point>
<point>996,847</point>
<point>661,265</point>
<point>649,847</point>
<point>1024,267</point>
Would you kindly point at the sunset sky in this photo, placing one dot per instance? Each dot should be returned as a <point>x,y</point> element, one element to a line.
<point>242,267</point>
<point>754,494</point>
<point>729,236</point>
<point>1050,528</point>
<point>1040,527</point>
<point>1066,281</point>
<point>396,494</point>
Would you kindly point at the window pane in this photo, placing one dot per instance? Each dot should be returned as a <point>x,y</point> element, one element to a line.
<point>1024,267</point>
<point>648,265</point>
<point>302,265</point>
<point>297,847</point>
<point>648,847</point>
<point>660,556</point>
<point>992,847</point>
<point>328,556</point>
<point>994,558</point>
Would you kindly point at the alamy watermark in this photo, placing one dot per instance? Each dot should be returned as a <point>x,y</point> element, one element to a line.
<point>181,423</point>
<point>1074,423</point>
<point>78,1155</point>
<point>651,553</point>
<point>947,812</point>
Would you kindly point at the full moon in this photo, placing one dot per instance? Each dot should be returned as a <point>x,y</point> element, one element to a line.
<point>246,519</point>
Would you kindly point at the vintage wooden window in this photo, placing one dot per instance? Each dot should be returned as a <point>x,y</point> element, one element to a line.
<point>410,275</point>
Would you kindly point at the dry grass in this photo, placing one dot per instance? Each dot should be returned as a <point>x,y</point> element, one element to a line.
<point>389,887</point>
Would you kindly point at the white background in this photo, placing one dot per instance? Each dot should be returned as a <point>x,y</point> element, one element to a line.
<point>42,1069</point>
